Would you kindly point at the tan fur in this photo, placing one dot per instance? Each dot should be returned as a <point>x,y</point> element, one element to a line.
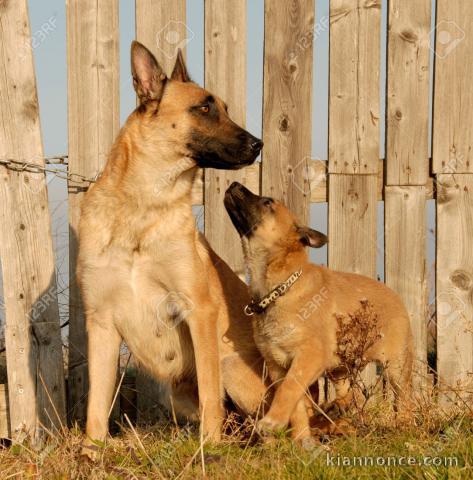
<point>297,335</point>
<point>149,278</point>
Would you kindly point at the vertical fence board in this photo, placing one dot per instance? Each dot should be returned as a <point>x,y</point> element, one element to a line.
<point>405,271</point>
<point>354,134</point>
<point>93,110</point>
<point>453,95</point>
<point>287,107</point>
<point>161,27</point>
<point>352,224</point>
<point>354,137</point>
<point>4,412</point>
<point>408,92</point>
<point>354,86</point>
<point>452,153</point>
<point>352,231</point>
<point>32,333</point>
<point>455,284</point>
<point>407,163</point>
<point>225,75</point>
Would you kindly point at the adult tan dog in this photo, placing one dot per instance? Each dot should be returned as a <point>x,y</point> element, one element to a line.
<point>146,274</point>
<point>299,347</point>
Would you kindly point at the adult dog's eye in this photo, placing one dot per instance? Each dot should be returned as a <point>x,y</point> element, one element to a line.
<point>205,109</point>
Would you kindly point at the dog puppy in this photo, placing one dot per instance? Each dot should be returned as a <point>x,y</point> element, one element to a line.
<point>300,343</point>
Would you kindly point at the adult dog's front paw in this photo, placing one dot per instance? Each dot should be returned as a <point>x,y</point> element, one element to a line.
<point>89,451</point>
<point>269,424</point>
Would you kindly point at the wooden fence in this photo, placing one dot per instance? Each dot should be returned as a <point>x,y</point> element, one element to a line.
<point>353,180</point>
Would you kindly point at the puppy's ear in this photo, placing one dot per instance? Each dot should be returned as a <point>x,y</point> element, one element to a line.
<point>149,78</point>
<point>179,71</point>
<point>311,238</point>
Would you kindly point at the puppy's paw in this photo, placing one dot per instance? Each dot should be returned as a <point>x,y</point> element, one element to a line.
<point>308,443</point>
<point>334,409</point>
<point>270,424</point>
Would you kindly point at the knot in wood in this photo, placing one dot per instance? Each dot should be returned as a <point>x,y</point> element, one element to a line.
<point>461,279</point>
<point>283,123</point>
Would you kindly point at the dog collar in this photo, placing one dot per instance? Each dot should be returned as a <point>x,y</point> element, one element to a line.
<point>259,306</point>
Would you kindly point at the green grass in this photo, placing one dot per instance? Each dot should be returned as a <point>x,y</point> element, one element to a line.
<point>169,452</point>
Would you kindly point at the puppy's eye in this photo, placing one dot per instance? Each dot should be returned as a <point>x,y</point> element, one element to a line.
<point>205,109</point>
<point>267,202</point>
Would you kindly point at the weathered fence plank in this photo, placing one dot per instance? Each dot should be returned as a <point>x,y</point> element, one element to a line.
<point>287,103</point>
<point>408,92</point>
<point>32,333</point>
<point>4,412</point>
<point>407,163</point>
<point>161,27</point>
<point>455,285</point>
<point>354,86</point>
<point>453,96</point>
<point>405,265</point>
<point>354,137</point>
<point>452,153</point>
<point>225,75</point>
<point>93,110</point>
<point>352,224</point>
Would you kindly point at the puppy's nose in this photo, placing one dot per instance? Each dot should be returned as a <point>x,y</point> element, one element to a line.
<point>234,186</point>
<point>256,146</point>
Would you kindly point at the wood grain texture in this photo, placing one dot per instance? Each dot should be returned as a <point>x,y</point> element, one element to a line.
<point>405,262</point>
<point>93,112</point>
<point>4,412</point>
<point>455,284</point>
<point>352,223</point>
<point>161,27</point>
<point>32,333</point>
<point>453,95</point>
<point>354,138</point>
<point>287,102</point>
<point>353,242</point>
<point>225,76</point>
<point>354,86</point>
<point>408,92</point>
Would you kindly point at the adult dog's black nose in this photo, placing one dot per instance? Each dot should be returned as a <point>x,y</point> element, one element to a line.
<point>256,146</point>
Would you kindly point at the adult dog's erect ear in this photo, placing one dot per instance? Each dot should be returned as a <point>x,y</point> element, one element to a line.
<point>149,78</point>
<point>311,238</point>
<point>179,71</point>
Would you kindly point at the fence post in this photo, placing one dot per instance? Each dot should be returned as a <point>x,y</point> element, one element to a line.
<point>161,27</point>
<point>225,75</point>
<point>453,166</point>
<point>354,138</point>
<point>407,165</point>
<point>287,107</point>
<point>32,333</point>
<point>93,108</point>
